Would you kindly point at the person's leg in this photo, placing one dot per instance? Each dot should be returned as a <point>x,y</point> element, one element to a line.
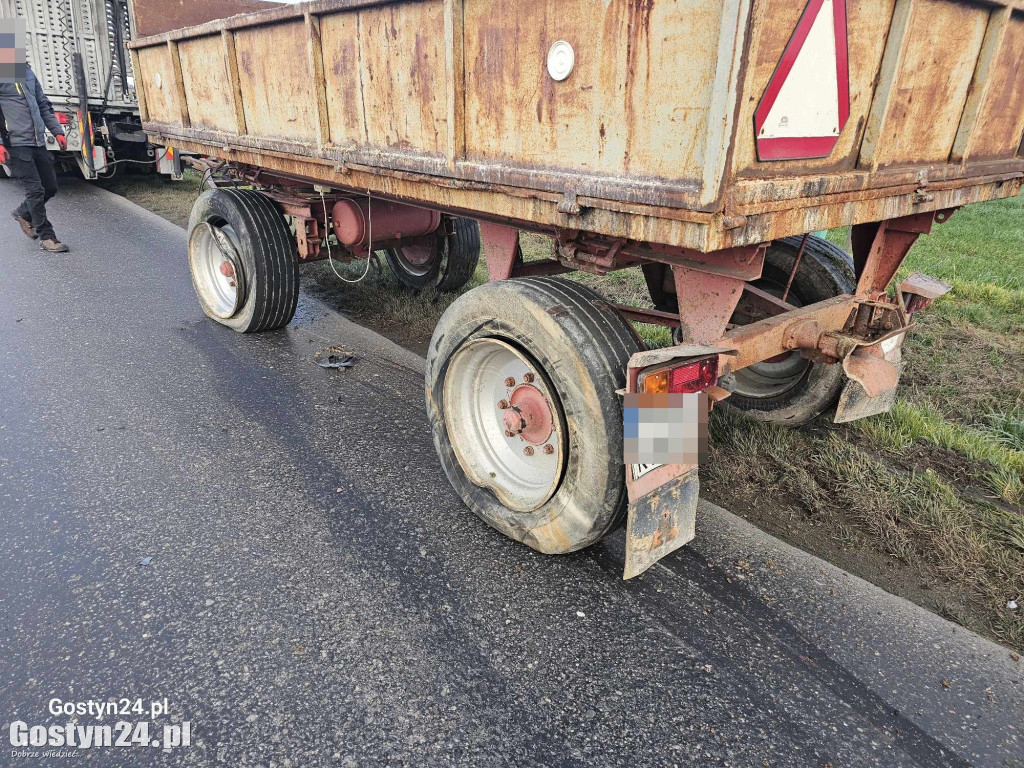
<point>23,168</point>
<point>48,179</point>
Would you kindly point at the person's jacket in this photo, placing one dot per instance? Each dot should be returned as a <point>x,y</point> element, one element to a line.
<point>26,113</point>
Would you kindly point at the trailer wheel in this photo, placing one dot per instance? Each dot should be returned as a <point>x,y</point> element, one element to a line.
<point>790,389</point>
<point>448,264</point>
<point>243,260</point>
<point>521,395</point>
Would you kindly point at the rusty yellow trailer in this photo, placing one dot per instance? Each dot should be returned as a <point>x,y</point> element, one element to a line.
<point>699,140</point>
<point>650,136</point>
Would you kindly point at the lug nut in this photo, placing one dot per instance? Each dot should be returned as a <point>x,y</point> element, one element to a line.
<point>528,378</point>
<point>510,382</point>
<point>528,450</point>
<point>549,449</point>
<point>503,404</point>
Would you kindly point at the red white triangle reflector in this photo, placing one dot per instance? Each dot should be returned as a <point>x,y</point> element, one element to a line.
<point>807,101</point>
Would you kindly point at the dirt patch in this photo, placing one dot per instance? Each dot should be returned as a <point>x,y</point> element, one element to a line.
<point>904,523</point>
<point>784,516</point>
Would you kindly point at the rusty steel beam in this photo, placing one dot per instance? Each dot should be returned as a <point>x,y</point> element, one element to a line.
<point>764,302</point>
<point>880,248</point>
<point>501,244</point>
<point>650,316</point>
<point>744,262</point>
<point>775,335</point>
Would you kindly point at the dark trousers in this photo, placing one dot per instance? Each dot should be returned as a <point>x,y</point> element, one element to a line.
<point>33,167</point>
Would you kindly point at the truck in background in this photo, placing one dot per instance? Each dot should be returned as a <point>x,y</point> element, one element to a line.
<point>77,50</point>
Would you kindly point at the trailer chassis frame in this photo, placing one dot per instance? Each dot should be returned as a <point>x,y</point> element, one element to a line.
<point>851,329</point>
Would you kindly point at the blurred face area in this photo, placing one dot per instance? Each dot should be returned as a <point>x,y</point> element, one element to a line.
<point>12,51</point>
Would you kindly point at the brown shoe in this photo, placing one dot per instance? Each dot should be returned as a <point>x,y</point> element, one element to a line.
<point>53,245</point>
<point>26,226</point>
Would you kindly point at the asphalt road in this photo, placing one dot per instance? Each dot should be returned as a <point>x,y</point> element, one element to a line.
<point>319,596</point>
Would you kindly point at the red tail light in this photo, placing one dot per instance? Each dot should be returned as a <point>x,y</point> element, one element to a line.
<point>685,378</point>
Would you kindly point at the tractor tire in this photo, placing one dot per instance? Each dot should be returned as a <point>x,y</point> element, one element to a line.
<point>560,346</point>
<point>449,267</point>
<point>792,390</point>
<point>259,246</point>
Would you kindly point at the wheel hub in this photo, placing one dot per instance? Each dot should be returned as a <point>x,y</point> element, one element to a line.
<point>528,416</point>
<point>217,269</point>
<point>505,423</point>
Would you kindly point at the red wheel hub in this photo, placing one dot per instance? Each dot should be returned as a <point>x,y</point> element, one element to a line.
<point>528,415</point>
<point>418,254</point>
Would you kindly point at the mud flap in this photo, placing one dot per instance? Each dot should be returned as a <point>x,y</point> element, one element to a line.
<point>662,513</point>
<point>874,378</point>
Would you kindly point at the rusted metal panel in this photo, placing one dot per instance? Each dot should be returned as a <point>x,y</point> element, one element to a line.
<point>386,66</point>
<point>402,77</point>
<point>155,16</point>
<point>278,92</point>
<point>649,139</point>
<point>636,103</point>
<point>661,521</point>
<point>1000,123</point>
<point>706,302</point>
<point>773,22</point>
<point>340,43</point>
<point>156,77</point>
<point>938,50</point>
<point>206,83</point>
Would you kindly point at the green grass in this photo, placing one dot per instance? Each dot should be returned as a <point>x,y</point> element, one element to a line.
<point>907,422</point>
<point>826,481</point>
<point>980,245</point>
<point>980,251</point>
<point>171,199</point>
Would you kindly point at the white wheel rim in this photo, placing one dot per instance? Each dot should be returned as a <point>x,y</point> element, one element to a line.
<point>523,470</point>
<point>217,268</point>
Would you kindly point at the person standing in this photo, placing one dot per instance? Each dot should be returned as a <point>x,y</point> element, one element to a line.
<point>25,113</point>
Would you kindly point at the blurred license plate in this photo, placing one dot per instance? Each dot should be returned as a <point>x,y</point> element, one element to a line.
<point>663,429</point>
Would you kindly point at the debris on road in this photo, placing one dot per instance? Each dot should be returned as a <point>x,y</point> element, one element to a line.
<point>145,561</point>
<point>335,357</point>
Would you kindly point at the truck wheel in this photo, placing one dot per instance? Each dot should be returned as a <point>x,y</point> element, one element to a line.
<point>448,264</point>
<point>243,261</point>
<point>790,389</point>
<point>521,395</point>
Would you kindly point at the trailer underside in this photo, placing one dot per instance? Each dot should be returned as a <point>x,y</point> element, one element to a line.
<point>724,317</point>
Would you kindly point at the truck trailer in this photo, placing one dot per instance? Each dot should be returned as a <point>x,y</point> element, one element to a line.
<point>700,141</point>
<point>77,50</point>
